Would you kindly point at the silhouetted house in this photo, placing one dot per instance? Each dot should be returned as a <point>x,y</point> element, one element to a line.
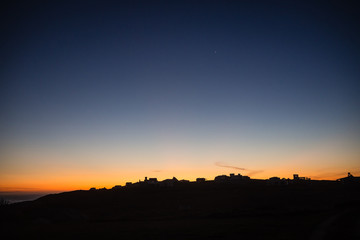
<point>274,181</point>
<point>231,178</point>
<point>151,180</point>
<point>221,178</point>
<point>234,177</point>
<point>199,180</point>
<point>169,182</point>
<point>297,178</point>
<point>285,181</point>
<point>349,179</point>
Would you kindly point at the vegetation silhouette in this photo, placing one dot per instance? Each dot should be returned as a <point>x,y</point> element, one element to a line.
<point>3,202</point>
<point>228,207</point>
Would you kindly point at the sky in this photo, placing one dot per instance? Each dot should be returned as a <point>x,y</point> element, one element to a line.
<point>99,93</point>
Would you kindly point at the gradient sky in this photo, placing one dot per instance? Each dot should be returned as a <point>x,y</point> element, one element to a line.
<point>97,93</point>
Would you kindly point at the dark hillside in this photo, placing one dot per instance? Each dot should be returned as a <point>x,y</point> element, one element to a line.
<point>316,210</point>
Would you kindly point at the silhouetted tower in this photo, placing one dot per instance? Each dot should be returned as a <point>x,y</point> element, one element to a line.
<point>296,176</point>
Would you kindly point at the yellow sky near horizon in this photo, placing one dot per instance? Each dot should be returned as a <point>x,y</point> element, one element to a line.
<point>63,168</point>
<point>74,180</point>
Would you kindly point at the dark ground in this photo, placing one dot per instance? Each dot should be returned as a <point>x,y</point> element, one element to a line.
<point>253,210</point>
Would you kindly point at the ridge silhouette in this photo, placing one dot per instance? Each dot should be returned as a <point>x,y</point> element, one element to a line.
<point>224,208</point>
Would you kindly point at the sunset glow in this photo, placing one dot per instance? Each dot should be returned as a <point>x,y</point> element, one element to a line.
<point>104,94</point>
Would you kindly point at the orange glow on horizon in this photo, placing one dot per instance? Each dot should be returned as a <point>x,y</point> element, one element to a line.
<point>86,181</point>
<point>46,169</point>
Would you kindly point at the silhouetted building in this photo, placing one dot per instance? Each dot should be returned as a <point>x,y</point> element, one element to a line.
<point>231,178</point>
<point>274,181</point>
<point>221,178</point>
<point>200,180</point>
<point>349,179</point>
<point>116,187</point>
<point>128,184</point>
<point>169,182</point>
<point>297,178</point>
<point>150,180</point>
<point>234,177</point>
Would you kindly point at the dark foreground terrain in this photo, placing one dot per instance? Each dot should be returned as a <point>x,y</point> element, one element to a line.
<point>252,210</point>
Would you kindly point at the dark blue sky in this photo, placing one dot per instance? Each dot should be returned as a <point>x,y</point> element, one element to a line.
<point>280,70</point>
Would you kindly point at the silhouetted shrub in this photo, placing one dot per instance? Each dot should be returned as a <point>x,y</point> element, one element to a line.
<point>3,202</point>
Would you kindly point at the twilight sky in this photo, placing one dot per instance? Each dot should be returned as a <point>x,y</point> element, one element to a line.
<point>97,93</point>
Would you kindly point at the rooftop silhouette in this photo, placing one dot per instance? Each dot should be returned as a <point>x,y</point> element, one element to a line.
<point>231,179</point>
<point>224,207</point>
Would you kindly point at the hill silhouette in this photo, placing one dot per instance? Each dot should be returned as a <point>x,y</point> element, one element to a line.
<point>253,209</point>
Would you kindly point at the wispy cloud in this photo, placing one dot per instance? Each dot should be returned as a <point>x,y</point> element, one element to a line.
<point>250,172</point>
<point>219,164</point>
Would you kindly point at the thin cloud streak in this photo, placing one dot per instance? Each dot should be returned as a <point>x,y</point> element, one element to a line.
<point>250,172</point>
